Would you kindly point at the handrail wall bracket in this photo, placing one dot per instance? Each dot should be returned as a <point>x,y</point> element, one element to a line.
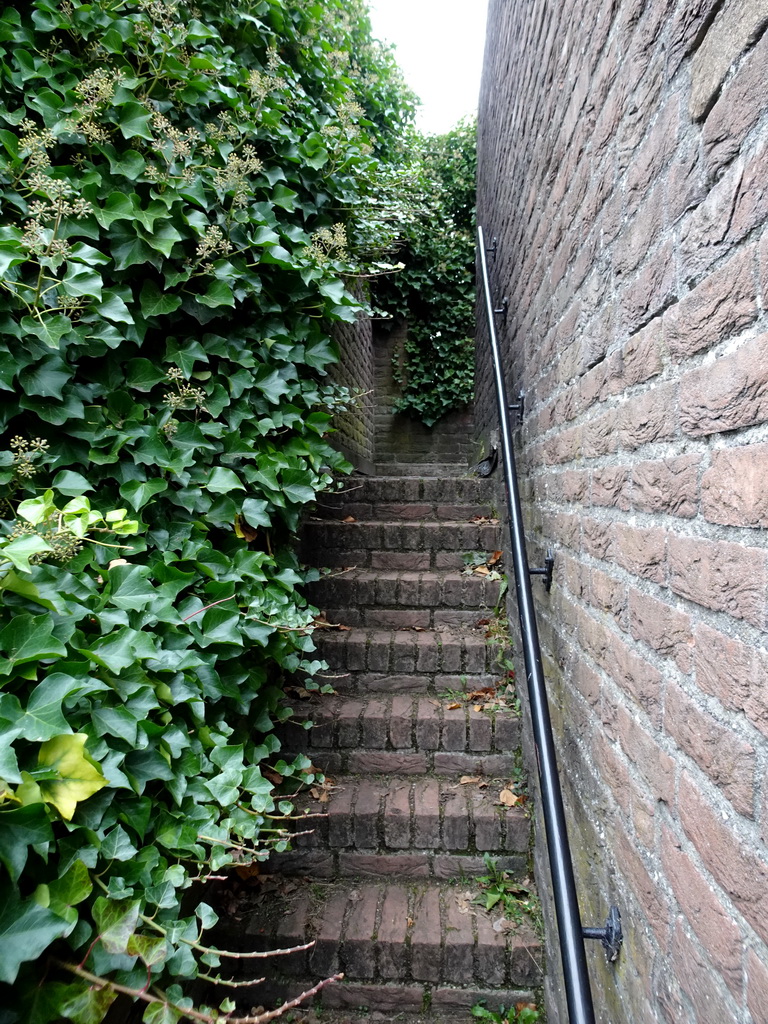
<point>611,936</point>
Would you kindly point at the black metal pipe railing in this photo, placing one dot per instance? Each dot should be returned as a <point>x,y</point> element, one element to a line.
<point>577,988</point>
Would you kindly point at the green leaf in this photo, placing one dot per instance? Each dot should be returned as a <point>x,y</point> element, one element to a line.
<point>72,888</point>
<point>161,1013</point>
<point>130,588</point>
<point>78,777</point>
<point>151,949</point>
<point>26,931</point>
<point>218,293</point>
<point>138,492</point>
<point>70,483</point>
<point>46,378</point>
<point>114,308</point>
<point>134,121</point>
<point>49,330</point>
<point>21,828</point>
<point>157,303</point>
<point>20,551</point>
<point>255,512</point>
<point>28,638</point>
<point>222,481</point>
<point>116,920</point>
<point>89,1006</point>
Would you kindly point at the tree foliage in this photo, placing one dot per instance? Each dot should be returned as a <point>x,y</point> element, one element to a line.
<point>435,290</point>
<point>183,187</point>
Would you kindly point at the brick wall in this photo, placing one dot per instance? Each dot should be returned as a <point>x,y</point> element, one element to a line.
<point>355,370</point>
<point>623,154</point>
<point>401,439</point>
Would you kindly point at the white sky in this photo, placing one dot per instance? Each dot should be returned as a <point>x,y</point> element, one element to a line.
<point>439,46</point>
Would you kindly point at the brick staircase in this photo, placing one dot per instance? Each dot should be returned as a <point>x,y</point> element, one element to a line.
<point>385,882</point>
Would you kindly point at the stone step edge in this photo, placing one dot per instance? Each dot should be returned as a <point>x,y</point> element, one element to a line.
<point>437,763</point>
<point>368,865</point>
<point>431,1004</point>
<point>401,723</point>
<point>422,932</point>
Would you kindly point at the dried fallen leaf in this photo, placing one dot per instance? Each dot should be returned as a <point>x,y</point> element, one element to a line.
<point>409,922</point>
<point>468,780</point>
<point>508,798</point>
<point>478,707</point>
<point>349,519</point>
<point>454,705</point>
<point>481,570</point>
<point>495,557</point>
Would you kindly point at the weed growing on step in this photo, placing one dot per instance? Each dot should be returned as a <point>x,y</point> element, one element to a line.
<point>521,1013</point>
<point>502,892</point>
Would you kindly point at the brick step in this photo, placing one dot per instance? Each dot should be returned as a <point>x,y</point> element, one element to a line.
<point>368,1003</point>
<point>402,512</point>
<point>433,599</point>
<point>381,826</point>
<point>444,488</point>
<point>399,724</point>
<point>420,932</point>
<point>397,762</point>
<point>428,654</point>
<point>396,545</point>
<point>362,1002</point>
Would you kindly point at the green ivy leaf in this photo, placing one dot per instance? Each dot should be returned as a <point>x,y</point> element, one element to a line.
<point>26,931</point>
<point>134,120</point>
<point>28,638</point>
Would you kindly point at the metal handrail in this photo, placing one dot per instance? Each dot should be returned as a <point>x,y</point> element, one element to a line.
<point>577,988</point>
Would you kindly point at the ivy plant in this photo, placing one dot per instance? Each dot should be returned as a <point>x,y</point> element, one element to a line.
<point>184,188</point>
<point>435,290</point>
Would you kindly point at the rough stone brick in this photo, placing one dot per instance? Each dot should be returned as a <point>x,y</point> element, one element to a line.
<point>392,931</point>
<point>705,912</point>
<point>640,551</point>
<point>348,718</point>
<point>376,866</point>
<point>397,816</point>
<point>397,618</point>
<point>735,27</point>
<point>492,765</point>
<point>387,763</point>
<point>668,486</point>
<point>718,575</point>
<point>403,653</point>
<point>738,869</point>
<point>733,489</point>
<point>454,731</point>
<point>425,936</point>
<point>358,950</point>
<point>340,817</point>
<point>368,801</point>
<point>455,817</point>
<point>610,487</point>
<point>374,721</point>
<point>459,943</point>
<point>650,292</point>
<point>733,672</point>
<point>661,627</point>
<point>757,985</point>
<point>378,998</point>
<point>718,308</point>
<point>649,417</point>
<point>480,731</point>
<point>701,985</point>
<point>485,819</point>
<point>732,392</point>
<point>323,958</point>
<point>728,760</point>
<point>427,725</point>
<point>491,951</point>
<point>401,722</point>
<point>426,814</point>
<point>643,749</point>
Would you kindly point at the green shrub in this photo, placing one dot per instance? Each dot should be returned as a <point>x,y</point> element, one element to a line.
<point>435,292</point>
<point>183,187</point>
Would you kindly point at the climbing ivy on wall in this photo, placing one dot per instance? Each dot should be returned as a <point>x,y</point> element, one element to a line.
<point>435,290</point>
<point>183,186</point>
